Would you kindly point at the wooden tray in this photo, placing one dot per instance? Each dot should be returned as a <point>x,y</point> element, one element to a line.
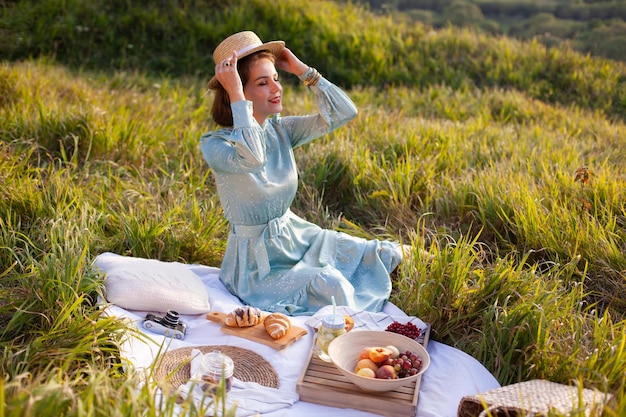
<point>257,333</point>
<point>322,383</point>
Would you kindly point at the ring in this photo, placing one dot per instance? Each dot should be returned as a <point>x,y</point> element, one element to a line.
<point>227,64</point>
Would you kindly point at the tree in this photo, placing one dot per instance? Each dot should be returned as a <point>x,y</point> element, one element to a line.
<point>462,13</point>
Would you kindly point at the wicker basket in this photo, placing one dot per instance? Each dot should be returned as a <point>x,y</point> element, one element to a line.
<point>534,398</point>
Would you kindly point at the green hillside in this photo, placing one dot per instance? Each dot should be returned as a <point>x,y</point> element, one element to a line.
<point>504,160</point>
<point>177,37</point>
<point>594,27</point>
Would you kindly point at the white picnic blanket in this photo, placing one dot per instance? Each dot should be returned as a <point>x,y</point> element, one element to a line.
<point>452,373</point>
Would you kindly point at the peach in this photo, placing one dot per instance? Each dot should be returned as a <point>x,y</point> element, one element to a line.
<point>386,372</point>
<point>349,323</point>
<point>367,373</point>
<point>380,354</point>
<point>364,353</point>
<point>365,363</point>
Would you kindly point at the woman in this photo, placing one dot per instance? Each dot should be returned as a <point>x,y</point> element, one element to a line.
<point>274,259</point>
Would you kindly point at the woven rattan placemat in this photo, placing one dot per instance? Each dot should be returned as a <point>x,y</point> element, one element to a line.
<point>175,365</point>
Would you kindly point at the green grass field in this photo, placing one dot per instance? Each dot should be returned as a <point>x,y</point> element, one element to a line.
<point>505,161</point>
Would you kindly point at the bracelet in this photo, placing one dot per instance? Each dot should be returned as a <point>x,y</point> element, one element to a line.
<point>306,73</point>
<point>310,77</point>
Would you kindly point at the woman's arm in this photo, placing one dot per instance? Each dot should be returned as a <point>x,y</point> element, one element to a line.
<point>238,149</point>
<point>335,108</point>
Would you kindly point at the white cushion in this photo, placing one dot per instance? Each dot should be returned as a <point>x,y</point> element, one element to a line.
<point>152,285</point>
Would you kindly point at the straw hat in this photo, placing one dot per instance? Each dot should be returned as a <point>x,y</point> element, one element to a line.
<point>245,43</point>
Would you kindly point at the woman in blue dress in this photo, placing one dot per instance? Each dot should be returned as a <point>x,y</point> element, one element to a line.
<point>274,259</point>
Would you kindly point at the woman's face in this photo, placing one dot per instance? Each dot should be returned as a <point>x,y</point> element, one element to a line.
<point>264,90</point>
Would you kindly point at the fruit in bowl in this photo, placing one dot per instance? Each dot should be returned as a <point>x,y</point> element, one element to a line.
<point>388,362</point>
<point>365,363</point>
<point>348,353</point>
<point>366,372</point>
<point>386,372</point>
<point>379,354</point>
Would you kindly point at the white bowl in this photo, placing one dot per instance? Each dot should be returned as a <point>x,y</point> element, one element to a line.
<point>344,353</point>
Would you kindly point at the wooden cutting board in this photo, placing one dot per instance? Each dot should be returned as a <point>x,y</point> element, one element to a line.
<point>257,333</point>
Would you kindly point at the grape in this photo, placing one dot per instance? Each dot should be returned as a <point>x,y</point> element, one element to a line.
<point>408,364</point>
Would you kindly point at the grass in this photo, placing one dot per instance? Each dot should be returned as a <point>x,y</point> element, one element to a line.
<point>520,199</point>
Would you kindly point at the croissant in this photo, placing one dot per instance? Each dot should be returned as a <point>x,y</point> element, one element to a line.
<point>245,316</point>
<point>277,325</point>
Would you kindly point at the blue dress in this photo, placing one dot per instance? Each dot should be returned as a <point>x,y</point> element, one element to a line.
<point>274,259</point>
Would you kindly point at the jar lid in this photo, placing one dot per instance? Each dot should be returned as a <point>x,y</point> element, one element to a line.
<point>214,362</point>
<point>333,321</point>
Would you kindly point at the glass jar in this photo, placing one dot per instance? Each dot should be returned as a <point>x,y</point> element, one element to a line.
<point>333,326</point>
<point>213,367</point>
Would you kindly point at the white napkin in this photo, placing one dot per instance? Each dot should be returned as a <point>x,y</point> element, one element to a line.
<point>365,320</point>
<point>250,398</point>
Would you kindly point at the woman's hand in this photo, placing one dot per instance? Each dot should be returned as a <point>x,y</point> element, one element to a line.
<point>226,73</point>
<point>290,63</point>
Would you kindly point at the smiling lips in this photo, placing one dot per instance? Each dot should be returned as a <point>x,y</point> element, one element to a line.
<point>275,100</point>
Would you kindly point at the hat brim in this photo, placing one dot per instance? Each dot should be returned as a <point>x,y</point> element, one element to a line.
<point>273,47</point>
